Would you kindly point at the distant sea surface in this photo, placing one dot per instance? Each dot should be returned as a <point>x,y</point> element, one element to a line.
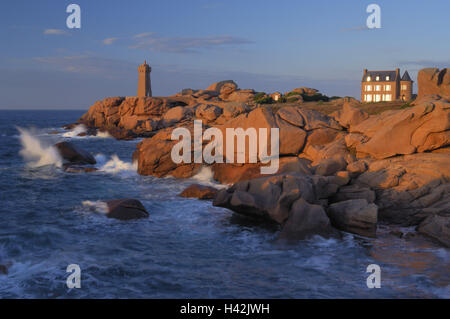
<point>50,219</point>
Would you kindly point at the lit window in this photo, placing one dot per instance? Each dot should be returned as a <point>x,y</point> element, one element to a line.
<point>387,87</point>
<point>377,87</point>
<point>388,97</point>
<point>377,78</point>
<point>377,97</point>
<point>369,97</point>
<point>388,78</point>
<point>404,87</point>
<point>368,88</point>
<point>369,79</point>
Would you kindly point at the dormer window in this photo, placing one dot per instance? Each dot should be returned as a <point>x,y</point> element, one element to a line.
<point>388,78</point>
<point>369,79</point>
<point>377,78</point>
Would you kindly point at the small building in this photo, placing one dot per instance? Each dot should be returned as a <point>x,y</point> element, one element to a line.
<point>276,96</point>
<point>386,86</point>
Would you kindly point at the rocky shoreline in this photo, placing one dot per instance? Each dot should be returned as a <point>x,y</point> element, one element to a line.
<point>347,171</point>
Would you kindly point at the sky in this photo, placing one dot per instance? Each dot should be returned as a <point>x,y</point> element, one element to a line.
<point>265,45</point>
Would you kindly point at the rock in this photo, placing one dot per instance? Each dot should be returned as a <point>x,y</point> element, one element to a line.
<point>306,220</point>
<point>223,87</point>
<point>175,115</point>
<point>240,96</point>
<point>357,168</point>
<point>234,109</point>
<point>436,227</point>
<point>291,115</point>
<point>350,115</point>
<point>199,191</point>
<point>126,209</point>
<point>355,216</point>
<point>433,81</point>
<point>122,134</point>
<point>305,90</point>
<point>417,129</point>
<point>330,166</point>
<point>73,154</point>
<point>208,112</point>
<point>271,197</point>
<point>354,192</point>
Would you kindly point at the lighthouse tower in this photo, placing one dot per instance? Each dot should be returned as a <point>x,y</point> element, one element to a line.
<point>144,84</point>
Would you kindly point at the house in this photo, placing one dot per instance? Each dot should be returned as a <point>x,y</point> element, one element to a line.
<point>386,86</point>
<point>276,96</point>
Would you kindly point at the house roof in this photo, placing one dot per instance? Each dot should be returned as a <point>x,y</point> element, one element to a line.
<point>381,74</point>
<point>406,77</point>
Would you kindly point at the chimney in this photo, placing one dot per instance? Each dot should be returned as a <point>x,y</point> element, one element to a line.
<point>397,72</point>
<point>365,72</point>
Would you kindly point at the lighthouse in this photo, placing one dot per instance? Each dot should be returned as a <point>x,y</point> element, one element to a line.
<point>144,83</point>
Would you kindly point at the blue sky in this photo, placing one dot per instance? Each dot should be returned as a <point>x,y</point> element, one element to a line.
<point>261,44</point>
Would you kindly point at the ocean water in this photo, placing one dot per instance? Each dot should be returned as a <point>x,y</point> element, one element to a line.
<point>50,219</point>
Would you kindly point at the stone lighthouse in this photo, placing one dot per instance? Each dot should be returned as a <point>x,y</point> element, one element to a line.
<point>144,84</point>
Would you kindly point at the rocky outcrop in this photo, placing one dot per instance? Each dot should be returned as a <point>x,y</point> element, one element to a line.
<point>126,209</point>
<point>433,81</point>
<point>73,154</point>
<point>199,191</point>
<point>347,165</point>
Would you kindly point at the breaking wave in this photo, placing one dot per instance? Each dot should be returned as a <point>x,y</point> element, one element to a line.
<point>36,152</point>
<point>115,165</point>
<point>75,131</point>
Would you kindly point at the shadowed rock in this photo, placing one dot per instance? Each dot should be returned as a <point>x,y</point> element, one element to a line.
<point>73,154</point>
<point>355,216</point>
<point>306,220</point>
<point>126,209</point>
<point>437,227</point>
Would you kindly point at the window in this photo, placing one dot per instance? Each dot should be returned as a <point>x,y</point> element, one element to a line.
<point>368,88</point>
<point>387,87</point>
<point>404,87</point>
<point>377,97</point>
<point>369,79</point>
<point>377,87</point>
<point>388,78</point>
<point>388,97</point>
<point>368,98</point>
<point>377,78</point>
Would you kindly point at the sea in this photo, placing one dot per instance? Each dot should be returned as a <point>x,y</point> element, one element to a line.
<point>51,219</point>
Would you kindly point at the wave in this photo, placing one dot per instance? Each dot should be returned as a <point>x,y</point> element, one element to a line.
<point>96,206</point>
<point>79,129</point>
<point>75,131</point>
<point>206,176</point>
<point>36,152</point>
<point>115,165</point>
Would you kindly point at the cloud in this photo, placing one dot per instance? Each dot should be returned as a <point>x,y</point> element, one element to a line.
<point>151,41</point>
<point>109,41</point>
<point>87,64</point>
<point>55,32</point>
<point>359,28</point>
<point>426,63</point>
